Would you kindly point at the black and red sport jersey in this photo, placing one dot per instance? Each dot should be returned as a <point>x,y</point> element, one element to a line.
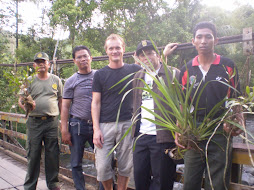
<point>222,69</point>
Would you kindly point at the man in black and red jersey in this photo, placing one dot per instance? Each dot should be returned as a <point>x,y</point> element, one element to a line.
<point>210,67</point>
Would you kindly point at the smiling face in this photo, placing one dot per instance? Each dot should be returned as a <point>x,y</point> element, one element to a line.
<point>204,41</point>
<point>83,61</point>
<point>41,65</point>
<point>115,50</point>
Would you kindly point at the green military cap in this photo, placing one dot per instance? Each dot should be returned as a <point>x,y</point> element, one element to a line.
<point>143,45</point>
<point>41,55</point>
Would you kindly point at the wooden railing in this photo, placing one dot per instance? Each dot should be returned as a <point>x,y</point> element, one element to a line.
<point>241,154</point>
<point>11,134</point>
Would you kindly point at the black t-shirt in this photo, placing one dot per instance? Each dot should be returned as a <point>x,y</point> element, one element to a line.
<point>103,80</point>
<point>222,69</point>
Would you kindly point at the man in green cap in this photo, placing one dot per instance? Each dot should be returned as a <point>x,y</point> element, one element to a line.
<point>42,123</point>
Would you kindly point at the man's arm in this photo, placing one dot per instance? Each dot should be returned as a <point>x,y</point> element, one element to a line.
<point>60,104</point>
<point>169,49</point>
<point>66,136</point>
<point>22,106</point>
<point>96,108</point>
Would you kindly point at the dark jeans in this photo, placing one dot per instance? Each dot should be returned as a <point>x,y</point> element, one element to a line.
<point>80,133</point>
<point>37,131</point>
<point>195,165</point>
<point>153,170</point>
<point>167,168</point>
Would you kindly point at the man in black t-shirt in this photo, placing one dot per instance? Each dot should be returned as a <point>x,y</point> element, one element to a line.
<point>105,105</point>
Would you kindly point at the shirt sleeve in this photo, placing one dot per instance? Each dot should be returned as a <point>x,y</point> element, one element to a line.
<point>68,92</point>
<point>96,83</point>
<point>60,88</point>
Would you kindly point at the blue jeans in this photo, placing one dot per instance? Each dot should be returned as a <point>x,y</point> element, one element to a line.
<point>80,133</point>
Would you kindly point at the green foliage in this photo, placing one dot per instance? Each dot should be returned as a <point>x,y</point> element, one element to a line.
<point>29,45</point>
<point>6,94</point>
<point>5,54</point>
<point>72,15</point>
<point>135,20</point>
<point>16,80</point>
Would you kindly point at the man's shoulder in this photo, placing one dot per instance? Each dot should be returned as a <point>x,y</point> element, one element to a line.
<point>55,77</point>
<point>186,66</point>
<point>105,68</point>
<point>72,77</point>
<point>225,61</point>
<point>101,72</point>
<point>69,81</point>
<point>133,67</point>
<point>140,73</point>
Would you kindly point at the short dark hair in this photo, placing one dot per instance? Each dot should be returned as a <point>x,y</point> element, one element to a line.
<point>78,48</point>
<point>205,24</point>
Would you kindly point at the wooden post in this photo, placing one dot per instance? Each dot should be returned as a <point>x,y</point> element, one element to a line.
<point>247,41</point>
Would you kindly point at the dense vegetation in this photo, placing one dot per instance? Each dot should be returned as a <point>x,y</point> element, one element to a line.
<point>135,20</point>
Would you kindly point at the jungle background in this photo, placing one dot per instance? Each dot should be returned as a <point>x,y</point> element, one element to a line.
<point>134,20</point>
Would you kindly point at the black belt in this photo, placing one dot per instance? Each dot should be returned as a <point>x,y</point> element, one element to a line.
<point>89,122</point>
<point>42,117</point>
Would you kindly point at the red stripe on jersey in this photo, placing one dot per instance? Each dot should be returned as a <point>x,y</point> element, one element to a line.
<point>232,82</point>
<point>216,61</point>
<point>184,78</point>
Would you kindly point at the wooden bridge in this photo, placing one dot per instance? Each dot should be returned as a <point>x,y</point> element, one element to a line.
<point>12,173</point>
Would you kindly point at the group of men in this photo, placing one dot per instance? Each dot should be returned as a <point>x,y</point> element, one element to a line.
<point>89,104</point>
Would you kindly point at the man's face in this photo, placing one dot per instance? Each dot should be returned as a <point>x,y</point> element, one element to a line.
<point>204,41</point>
<point>83,60</point>
<point>115,50</point>
<point>41,65</point>
<point>153,57</point>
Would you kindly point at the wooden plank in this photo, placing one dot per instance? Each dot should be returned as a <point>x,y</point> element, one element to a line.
<point>20,118</point>
<point>13,133</point>
<point>18,187</point>
<point>236,186</point>
<point>88,178</point>
<point>41,181</point>
<point>15,170</point>
<point>10,177</point>
<point>241,154</point>
<point>14,173</point>
<point>87,155</point>
<point>13,148</point>
<point>4,184</point>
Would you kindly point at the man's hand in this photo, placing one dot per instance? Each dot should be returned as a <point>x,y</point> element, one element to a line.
<point>168,50</point>
<point>66,137</point>
<point>235,131</point>
<point>33,105</point>
<point>98,138</point>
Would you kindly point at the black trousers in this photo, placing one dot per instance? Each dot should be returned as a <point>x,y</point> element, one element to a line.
<point>153,169</point>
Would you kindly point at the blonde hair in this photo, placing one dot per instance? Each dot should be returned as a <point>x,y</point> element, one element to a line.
<point>114,37</point>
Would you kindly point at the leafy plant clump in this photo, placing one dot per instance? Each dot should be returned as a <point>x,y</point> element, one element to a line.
<point>19,83</point>
<point>184,110</point>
